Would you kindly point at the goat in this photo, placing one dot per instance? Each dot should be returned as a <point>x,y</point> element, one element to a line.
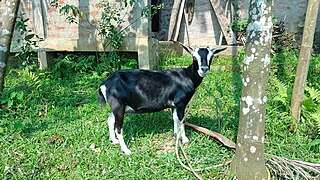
<point>145,91</point>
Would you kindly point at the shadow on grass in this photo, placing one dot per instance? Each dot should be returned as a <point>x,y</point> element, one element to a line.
<point>142,125</point>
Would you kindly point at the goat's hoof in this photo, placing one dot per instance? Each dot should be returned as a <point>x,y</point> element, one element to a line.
<point>114,141</point>
<point>185,140</point>
<point>126,152</point>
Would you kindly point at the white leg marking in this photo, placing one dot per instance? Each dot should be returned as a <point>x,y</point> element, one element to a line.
<point>123,145</point>
<point>176,125</point>
<point>175,122</point>
<point>112,137</point>
<point>185,140</point>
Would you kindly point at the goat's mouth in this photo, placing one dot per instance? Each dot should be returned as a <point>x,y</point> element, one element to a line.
<point>202,73</point>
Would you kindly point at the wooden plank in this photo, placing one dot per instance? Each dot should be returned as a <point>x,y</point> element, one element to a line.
<point>177,29</point>
<point>173,18</point>
<point>40,31</point>
<point>223,21</point>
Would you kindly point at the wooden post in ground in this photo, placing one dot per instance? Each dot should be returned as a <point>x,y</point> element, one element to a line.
<point>173,18</point>
<point>223,21</point>
<point>304,58</point>
<point>39,14</point>
<point>147,47</point>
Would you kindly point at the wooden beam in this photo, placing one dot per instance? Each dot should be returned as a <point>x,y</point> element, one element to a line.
<point>223,21</point>
<point>40,31</point>
<point>173,18</point>
<point>177,29</point>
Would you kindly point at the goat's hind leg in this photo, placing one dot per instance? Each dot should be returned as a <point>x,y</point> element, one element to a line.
<point>118,112</point>
<point>115,123</point>
<point>111,123</point>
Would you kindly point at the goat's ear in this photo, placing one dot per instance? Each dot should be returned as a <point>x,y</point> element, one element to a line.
<point>187,48</point>
<point>217,50</point>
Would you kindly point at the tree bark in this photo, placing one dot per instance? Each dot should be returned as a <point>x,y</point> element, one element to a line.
<point>6,32</point>
<point>248,162</point>
<point>304,58</point>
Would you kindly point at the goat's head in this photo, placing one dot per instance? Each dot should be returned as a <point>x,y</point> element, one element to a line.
<point>203,57</point>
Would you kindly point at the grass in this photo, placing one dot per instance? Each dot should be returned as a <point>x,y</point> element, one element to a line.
<point>58,131</point>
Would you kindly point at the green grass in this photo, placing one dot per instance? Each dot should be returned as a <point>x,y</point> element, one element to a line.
<point>46,135</point>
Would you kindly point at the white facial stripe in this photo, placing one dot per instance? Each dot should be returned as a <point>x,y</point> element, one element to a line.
<point>209,56</point>
<point>197,56</point>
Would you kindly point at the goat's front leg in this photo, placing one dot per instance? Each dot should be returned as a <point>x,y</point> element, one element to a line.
<point>178,121</point>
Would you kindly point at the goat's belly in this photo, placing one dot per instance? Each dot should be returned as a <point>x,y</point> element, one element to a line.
<point>146,109</point>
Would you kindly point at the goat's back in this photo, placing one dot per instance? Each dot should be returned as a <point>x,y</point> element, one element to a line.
<point>147,90</point>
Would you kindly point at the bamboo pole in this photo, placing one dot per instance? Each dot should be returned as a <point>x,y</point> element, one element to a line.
<point>304,58</point>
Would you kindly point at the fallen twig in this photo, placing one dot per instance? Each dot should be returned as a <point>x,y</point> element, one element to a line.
<point>222,139</point>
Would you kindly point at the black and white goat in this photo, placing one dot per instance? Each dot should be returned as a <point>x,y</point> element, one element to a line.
<point>145,91</point>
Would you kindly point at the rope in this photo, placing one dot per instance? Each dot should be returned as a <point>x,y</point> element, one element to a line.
<point>178,144</point>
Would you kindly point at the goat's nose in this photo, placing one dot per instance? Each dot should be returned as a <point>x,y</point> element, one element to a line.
<point>204,68</point>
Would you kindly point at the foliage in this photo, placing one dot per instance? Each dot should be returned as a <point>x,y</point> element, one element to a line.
<point>27,43</point>
<point>239,25</point>
<point>14,99</point>
<point>311,108</point>
<point>69,65</point>
<point>280,91</point>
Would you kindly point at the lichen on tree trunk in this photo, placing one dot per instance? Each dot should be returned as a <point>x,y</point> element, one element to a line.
<point>248,162</point>
<point>6,32</point>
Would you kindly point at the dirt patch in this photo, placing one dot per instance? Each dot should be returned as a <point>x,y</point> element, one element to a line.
<point>167,146</point>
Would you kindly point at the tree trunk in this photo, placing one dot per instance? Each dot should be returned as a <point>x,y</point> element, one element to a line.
<point>6,32</point>
<point>304,58</point>
<point>248,162</point>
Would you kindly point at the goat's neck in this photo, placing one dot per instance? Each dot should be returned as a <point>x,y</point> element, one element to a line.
<point>192,71</point>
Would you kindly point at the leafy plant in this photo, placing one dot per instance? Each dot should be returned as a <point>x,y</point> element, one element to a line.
<point>280,95</point>
<point>27,43</point>
<point>69,65</point>
<point>15,99</point>
<point>239,25</point>
<point>311,107</point>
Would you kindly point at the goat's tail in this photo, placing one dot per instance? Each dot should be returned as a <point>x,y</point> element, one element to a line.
<point>101,98</point>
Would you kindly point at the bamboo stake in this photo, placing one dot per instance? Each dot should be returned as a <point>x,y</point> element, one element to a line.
<point>304,58</point>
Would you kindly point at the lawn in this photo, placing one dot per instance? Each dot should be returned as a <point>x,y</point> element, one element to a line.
<point>52,127</point>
